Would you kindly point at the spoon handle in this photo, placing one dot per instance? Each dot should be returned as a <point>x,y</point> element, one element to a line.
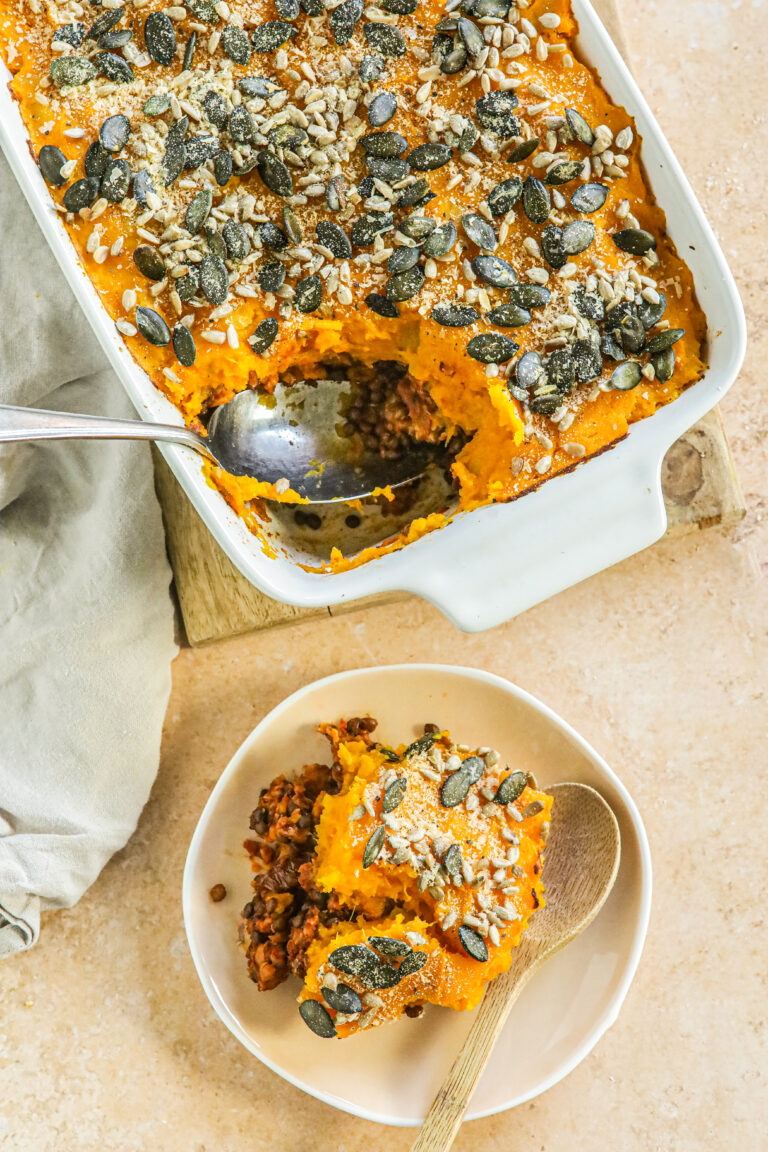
<point>444,1118</point>
<point>36,424</point>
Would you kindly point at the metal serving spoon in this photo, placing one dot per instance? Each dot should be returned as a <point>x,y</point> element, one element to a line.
<point>581,864</point>
<point>293,434</point>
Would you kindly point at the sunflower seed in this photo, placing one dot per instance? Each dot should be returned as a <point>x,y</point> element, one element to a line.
<point>152,327</point>
<point>495,112</point>
<point>634,240</point>
<point>589,197</point>
<point>494,271</point>
<point>275,174</point>
<point>382,306</point>
<point>406,285</point>
<point>385,39</point>
<point>292,225</point>
<point>234,43</point>
<point>579,126</point>
<point>315,1016</point>
<point>473,943</point>
<point>81,194</point>
<point>264,336</point>
<point>272,35</point>
<point>50,161</point>
<point>71,71</point>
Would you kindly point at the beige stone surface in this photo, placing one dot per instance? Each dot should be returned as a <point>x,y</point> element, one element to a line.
<point>106,1039</point>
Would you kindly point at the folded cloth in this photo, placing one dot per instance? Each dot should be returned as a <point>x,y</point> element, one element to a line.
<point>86,622</point>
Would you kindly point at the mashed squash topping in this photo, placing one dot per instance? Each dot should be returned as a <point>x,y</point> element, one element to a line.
<point>438,200</point>
<point>422,867</point>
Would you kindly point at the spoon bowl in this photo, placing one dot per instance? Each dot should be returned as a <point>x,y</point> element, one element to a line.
<point>294,434</point>
<point>580,867</point>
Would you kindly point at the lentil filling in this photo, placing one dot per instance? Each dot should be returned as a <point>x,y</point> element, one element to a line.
<point>439,197</point>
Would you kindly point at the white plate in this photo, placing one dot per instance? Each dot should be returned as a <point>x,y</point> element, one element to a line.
<point>391,1074</point>
<point>491,564</point>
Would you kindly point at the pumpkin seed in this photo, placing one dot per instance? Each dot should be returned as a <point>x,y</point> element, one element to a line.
<point>381,109</point>
<point>546,404</point>
<point>624,323</point>
<point>455,315</point>
<point>204,10</point>
<point>236,239</point>
<point>577,237</point>
<point>504,196</point>
<point>494,271</point>
<point>189,52</point>
<point>199,149</point>
<point>105,23</point>
<point>649,313</point>
<point>257,87</point>
<point>532,809</point>
<point>272,236</point>
<point>197,212</point>
<point>510,788</point>
<point>561,370</point>
<point>441,240</point>
<point>454,61</point>
<point>452,861</point>
<point>313,7</point>
<point>636,241</point>
<point>173,161</point>
<point>417,193</point>
<point>222,167</point>
<point>509,316</point>
<point>344,20</point>
<point>399,7</point>
<point>406,285</point>
<point>589,197</point>
<point>81,194</point>
<point>528,370</point>
<point>428,157</point>
<point>264,336</point>
<point>71,71</point>
<point>552,246</point>
<point>214,279</point>
<point>160,38</point>
<point>117,39</point>
<point>156,105</point>
<point>382,307</point>
<point>114,133</point>
<point>385,39</point>
<point>471,37</point>
<point>579,126</point>
<point>495,111</point>
<point>149,262</point>
<point>70,34</point>
<point>411,964</point>
<point>390,170</point>
<point>370,69</point>
<point>536,202</point>
<point>417,227</point>
<point>388,945</point>
<point>422,744</point>
<point>366,187</point>
<point>664,340</point>
<point>215,242</point>
<point>275,174</point>
<point>308,294</point>
<point>241,127</point>
<point>394,795</point>
<point>473,943</point>
<point>627,376</point>
<point>529,296</point>
<point>216,108</point>
<point>271,275</point>
<point>248,165</point>
<point>116,181</point>
<point>315,1016</point>
<point>587,361</point>
<point>588,304</point>
<point>50,162</point>
<point>442,46</point>
<point>184,345</point>
<point>384,145</point>
<point>610,347</point>
<point>523,151</point>
<point>270,36</point>
<point>289,136</point>
<point>142,186</point>
<point>287,9</point>
<point>372,852</point>
<point>402,259</point>
<point>479,231</point>
<point>564,172</point>
<point>380,976</point>
<point>114,67</point>
<point>336,194</point>
<point>664,365</point>
<point>456,786</point>
<point>234,43</point>
<point>342,998</point>
<point>152,327</point>
<point>291,224</point>
<point>366,227</point>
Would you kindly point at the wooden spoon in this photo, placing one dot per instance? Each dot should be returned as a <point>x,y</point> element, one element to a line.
<point>580,866</point>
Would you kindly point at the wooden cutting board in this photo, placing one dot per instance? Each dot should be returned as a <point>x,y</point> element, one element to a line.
<point>701,490</point>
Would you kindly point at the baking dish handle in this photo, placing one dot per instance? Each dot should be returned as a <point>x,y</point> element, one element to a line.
<point>569,529</point>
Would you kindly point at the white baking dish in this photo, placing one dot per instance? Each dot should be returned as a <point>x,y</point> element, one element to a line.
<point>489,565</point>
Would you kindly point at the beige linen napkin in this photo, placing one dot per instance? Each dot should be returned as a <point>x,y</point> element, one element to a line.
<point>86,623</point>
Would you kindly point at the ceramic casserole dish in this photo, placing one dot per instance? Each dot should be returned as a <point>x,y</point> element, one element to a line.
<point>488,565</point>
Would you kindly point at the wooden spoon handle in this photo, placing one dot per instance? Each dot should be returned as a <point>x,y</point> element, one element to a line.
<point>444,1118</point>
